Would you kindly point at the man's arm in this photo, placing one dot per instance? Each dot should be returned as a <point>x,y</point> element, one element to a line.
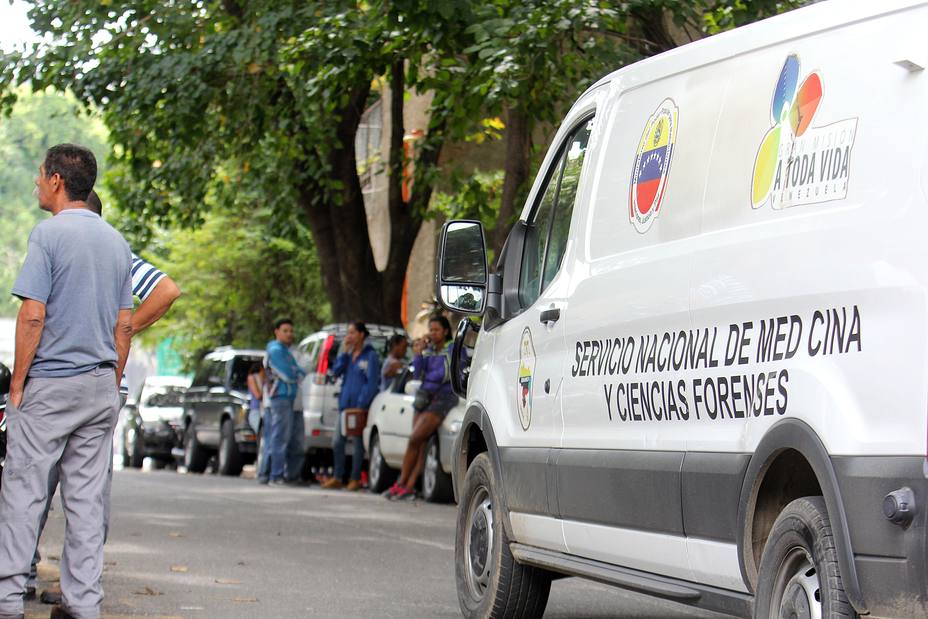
<point>155,305</point>
<point>29,325</point>
<point>123,333</point>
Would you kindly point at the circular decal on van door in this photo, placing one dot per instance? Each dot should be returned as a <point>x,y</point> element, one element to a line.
<point>652,164</point>
<point>526,378</point>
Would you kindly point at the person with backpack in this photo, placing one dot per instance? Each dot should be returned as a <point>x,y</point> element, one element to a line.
<point>284,376</point>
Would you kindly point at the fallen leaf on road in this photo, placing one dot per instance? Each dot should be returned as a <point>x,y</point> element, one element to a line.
<point>175,534</point>
<point>240,563</point>
<point>109,563</point>
<point>244,600</point>
<point>228,581</point>
<point>192,608</point>
<point>179,568</point>
<point>147,591</point>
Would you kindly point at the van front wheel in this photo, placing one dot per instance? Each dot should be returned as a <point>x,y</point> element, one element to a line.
<point>799,575</point>
<point>490,583</point>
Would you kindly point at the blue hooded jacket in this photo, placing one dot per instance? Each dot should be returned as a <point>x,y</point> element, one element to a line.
<point>361,378</point>
<point>283,372</point>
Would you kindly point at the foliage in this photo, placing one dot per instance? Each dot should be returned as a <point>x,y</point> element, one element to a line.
<point>237,278</point>
<point>38,121</point>
<point>476,196</point>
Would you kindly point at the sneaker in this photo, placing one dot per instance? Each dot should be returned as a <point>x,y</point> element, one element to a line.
<point>404,494</point>
<point>60,612</point>
<point>332,483</point>
<point>389,492</point>
<point>51,596</point>
<point>263,481</point>
<point>353,485</point>
<point>278,482</point>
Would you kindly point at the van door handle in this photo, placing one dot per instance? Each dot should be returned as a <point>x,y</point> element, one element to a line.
<point>550,315</point>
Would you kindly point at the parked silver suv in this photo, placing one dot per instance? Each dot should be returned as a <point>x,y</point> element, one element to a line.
<point>316,354</point>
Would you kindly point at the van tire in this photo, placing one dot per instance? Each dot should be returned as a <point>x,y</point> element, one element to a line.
<point>436,484</point>
<point>195,456</point>
<point>494,586</point>
<point>230,459</point>
<point>799,565</point>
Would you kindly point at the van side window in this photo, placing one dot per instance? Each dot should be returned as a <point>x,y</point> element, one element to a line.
<point>546,239</point>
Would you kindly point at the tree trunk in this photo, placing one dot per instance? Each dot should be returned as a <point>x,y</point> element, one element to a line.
<point>516,173</point>
<point>339,228</point>
<point>404,224</point>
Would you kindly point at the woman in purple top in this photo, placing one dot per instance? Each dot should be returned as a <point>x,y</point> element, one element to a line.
<point>432,364</point>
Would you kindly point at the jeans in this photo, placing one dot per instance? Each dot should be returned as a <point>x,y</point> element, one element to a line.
<point>281,418</point>
<point>295,447</point>
<point>338,446</point>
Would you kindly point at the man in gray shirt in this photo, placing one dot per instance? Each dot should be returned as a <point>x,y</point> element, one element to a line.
<point>72,339</point>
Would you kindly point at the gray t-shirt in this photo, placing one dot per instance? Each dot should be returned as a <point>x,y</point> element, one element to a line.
<point>78,266</point>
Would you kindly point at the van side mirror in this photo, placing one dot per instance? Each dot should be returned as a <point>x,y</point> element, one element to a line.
<point>462,272</point>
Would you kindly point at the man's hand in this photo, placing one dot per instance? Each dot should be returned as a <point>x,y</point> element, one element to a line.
<point>418,346</point>
<point>16,397</point>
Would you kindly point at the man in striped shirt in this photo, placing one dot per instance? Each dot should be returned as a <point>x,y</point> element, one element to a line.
<point>156,293</point>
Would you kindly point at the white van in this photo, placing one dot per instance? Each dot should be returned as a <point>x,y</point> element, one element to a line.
<point>703,367</point>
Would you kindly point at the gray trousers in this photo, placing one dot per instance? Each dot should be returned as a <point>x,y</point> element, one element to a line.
<point>63,423</point>
<point>32,580</point>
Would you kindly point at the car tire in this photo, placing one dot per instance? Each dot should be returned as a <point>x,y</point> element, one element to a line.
<point>436,484</point>
<point>380,475</point>
<point>230,459</point>
<point>195,455</point>
<point>799,574</point>
<point>126,459</point>
<point>490,583</point>
<point>137,450</point>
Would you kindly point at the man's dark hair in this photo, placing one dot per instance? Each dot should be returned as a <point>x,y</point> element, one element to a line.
<point>281,322</point>
<point>93,202</point>
<point>76,166</point>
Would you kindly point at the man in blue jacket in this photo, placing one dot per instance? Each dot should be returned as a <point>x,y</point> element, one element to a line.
<point>284,376</point>
<point>359,366</point>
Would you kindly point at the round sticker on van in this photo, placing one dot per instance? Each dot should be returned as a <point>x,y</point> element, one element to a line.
<point>652,165</point>
<point>526,376</point>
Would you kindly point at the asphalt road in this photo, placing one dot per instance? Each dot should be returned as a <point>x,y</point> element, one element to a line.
<point>198,546</point>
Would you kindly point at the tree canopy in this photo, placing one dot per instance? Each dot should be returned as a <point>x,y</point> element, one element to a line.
<point>37,122</point>
<point>232,106</point>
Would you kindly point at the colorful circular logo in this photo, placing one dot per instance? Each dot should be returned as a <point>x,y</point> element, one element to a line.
<point>652,165</point>
<point>526,377</point>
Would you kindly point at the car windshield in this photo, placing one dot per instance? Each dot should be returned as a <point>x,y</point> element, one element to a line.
<point>165,396</point>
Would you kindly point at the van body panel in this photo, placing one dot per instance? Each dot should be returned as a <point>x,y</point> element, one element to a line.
<point>777,276</point>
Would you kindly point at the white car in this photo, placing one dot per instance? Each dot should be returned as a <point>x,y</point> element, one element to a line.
<point>151,425</point>
<point>389,424</point>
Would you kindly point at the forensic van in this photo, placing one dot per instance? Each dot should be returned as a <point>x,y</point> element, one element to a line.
<point>702,368</point>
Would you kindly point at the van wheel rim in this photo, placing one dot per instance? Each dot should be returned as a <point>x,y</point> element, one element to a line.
<point>431,470</point>
<point>797,592</point>
<point>478,544</point>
